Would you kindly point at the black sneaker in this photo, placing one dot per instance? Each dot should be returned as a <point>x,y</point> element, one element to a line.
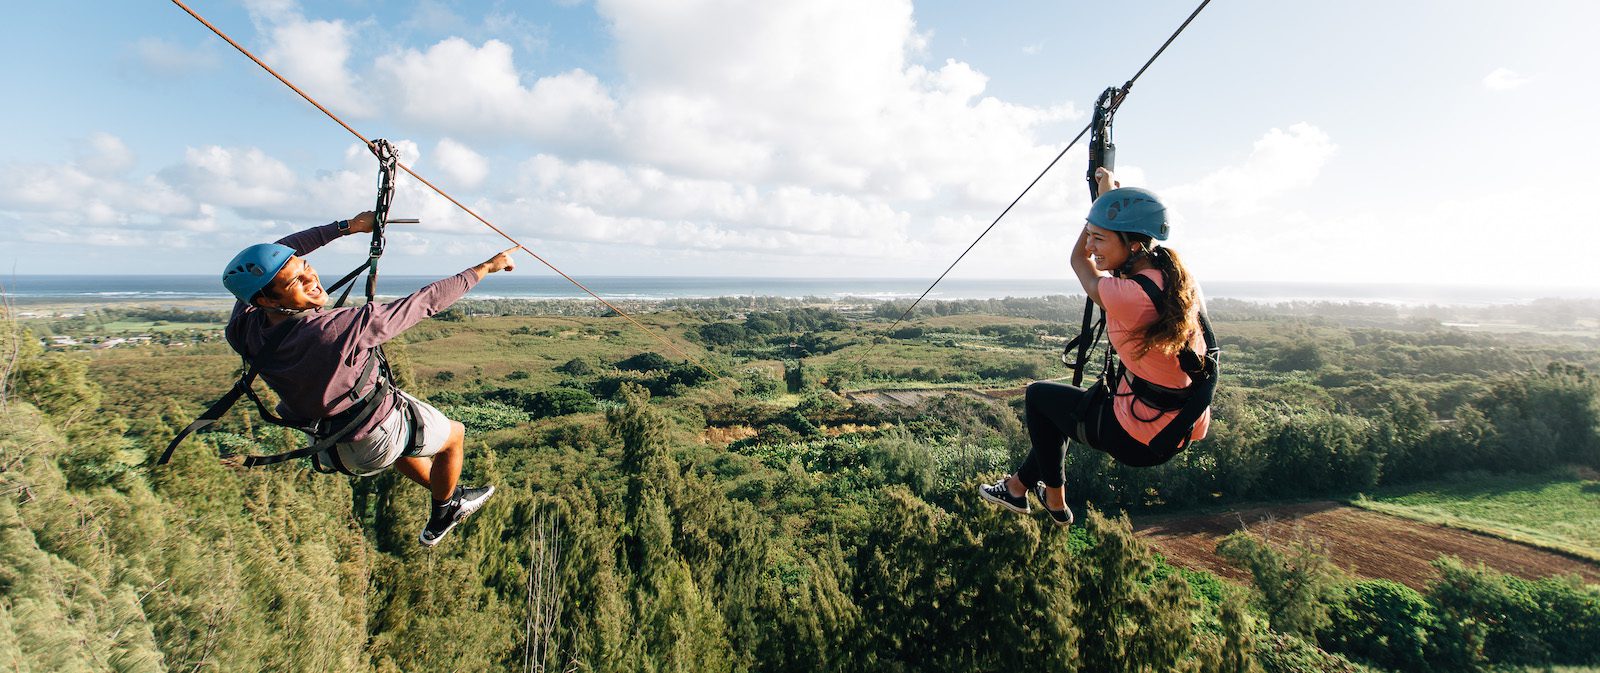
<point>998,494</point>
<point>462,505</point>
<point>1062,517</point>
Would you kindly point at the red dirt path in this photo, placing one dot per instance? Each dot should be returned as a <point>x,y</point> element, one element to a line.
<point>1368,544</point>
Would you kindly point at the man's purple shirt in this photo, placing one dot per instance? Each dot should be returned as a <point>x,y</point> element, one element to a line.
<point>316,365</point>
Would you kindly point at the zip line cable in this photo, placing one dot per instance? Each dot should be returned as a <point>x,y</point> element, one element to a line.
<point>440,192</point>
<point>1123,93</point>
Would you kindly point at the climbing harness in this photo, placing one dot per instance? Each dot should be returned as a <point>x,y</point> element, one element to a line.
<point>1190,402</point>
<point>329,431</point>
<point>1113,102</point>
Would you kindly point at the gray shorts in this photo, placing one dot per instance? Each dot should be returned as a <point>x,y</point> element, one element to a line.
<point>389,441</point>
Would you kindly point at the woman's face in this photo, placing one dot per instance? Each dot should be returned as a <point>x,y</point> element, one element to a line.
<point>1106,248</point>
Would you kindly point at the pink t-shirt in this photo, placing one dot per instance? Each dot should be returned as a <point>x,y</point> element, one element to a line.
<point>1128,313</point>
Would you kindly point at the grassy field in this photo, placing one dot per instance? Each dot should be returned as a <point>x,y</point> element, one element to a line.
<point>1558,510</point>
<point>148,326</point>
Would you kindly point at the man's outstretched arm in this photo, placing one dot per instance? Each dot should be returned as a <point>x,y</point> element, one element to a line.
<point>386,321</point>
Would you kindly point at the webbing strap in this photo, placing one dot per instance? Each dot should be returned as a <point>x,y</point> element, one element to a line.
<point>374,401</point>
<point>346,280</point>
<point>216,411</point>
<point>244,388</point>
<point>219,408</point>
<point>1202,376</point>
<point>1088,336</point>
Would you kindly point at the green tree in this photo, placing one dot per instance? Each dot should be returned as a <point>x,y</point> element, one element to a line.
<point>1546,418</point>
<point>1129,623</point>
<point>1382,622</point>
<point>931,583</point>
<point>795,376</point>
<point>676,626</point>
<point>1295,589</point>
<point>756,382</point>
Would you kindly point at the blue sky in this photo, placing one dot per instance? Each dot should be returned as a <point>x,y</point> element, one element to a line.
<point>1445,142</point>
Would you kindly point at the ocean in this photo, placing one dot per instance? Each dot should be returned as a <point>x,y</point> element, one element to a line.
<point>186,289</point>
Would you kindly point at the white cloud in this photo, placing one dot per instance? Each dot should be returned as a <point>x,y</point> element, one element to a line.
<point>169,59</point>
<point>815,137</point>
<point>817,93</point>
<point>1504,79</point>
<point>820,94</point>
<point>312,54</point>
<point>1235,224</point>
<point>89,191</point>
<point>104,154</point>
<point>1280,161</point>
<point>599,202</point>
<point>243,178</point>
<point>477,91</point>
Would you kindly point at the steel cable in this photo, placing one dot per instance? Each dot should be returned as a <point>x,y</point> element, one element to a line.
<point>1118,101</point>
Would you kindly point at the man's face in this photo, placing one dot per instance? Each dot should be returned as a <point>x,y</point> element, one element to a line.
<point>296,287</point>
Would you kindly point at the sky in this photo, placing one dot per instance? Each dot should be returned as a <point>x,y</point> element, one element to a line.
<point>1441,142</point>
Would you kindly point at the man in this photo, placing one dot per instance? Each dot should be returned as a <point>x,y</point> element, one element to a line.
<point>319,365</point>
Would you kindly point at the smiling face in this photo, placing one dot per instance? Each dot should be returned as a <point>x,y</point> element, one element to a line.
<point>1108,250</point>
<point>295,287</point>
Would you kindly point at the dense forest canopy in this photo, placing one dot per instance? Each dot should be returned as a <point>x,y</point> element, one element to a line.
<point>761,510</point>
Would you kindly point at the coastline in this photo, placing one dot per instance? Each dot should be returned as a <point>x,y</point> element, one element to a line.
<point>195,292</point>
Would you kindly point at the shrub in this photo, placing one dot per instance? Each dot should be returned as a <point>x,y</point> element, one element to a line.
<point>1382,622</point>
<point>486,416</point>
<point>644,362</point>
<point>575,367</point>
<point>1490,618</point>
<point>758,384</point>
<point>723,334</point>
<point>560,402</point>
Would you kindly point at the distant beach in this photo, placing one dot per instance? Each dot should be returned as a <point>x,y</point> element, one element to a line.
<point>205,290</point>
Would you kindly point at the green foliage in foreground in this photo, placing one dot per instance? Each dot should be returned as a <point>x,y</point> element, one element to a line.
<point>1470,619</point>
<point>657,567</point>
<point>634,545</point>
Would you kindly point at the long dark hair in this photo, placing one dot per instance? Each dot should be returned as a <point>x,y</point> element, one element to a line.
<point>1178,318</point>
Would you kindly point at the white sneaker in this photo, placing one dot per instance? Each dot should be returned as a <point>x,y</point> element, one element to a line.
<point>465,502</point>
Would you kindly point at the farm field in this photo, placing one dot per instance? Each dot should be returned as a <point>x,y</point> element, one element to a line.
<point>1367,544</point>
<point>1558,510</point>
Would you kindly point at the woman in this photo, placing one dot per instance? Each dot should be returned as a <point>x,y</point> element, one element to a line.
<point>1155,328</point>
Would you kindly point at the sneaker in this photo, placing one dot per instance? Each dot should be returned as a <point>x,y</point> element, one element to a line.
<point>462,505</point>
<point>1062,517</point>
<point>998,494</point>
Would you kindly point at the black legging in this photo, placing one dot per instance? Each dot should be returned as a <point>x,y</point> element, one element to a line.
<point>1052,416</point>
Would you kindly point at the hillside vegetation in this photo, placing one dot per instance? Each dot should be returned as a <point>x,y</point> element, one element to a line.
<point>655,514</point>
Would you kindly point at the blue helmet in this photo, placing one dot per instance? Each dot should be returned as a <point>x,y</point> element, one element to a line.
<point>1130,209</point>
<point>253,268</point>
